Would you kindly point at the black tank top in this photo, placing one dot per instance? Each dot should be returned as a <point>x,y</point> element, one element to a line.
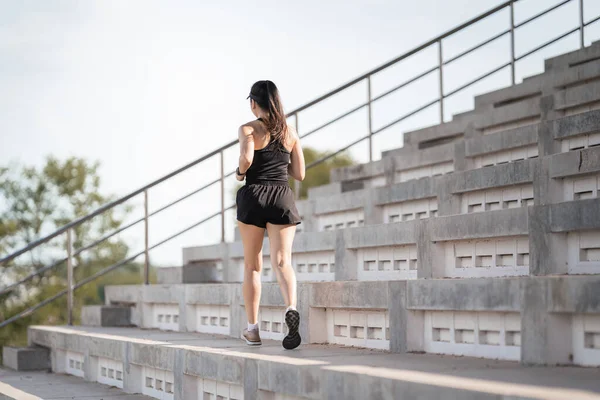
<point>270,164</point>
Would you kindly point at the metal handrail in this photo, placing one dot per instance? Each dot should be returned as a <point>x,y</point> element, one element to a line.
<point>294,113</point>
<point>112,204</point>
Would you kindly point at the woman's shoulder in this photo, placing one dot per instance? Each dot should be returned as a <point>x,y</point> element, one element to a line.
<point>292,134</point>
<point>248,128</point>
<point>249,125</point>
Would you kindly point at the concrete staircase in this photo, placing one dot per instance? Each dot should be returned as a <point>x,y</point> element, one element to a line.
<point>479,238</point>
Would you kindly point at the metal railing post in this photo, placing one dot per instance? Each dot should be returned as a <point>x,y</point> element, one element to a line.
<point>222,197</point>
<point>441,75</point>
<point>70,282</point>
<point>146,235</point>
<point>297,186</point>
<point>512,42</point>
<point>581,25</point>
<point>369,97</point>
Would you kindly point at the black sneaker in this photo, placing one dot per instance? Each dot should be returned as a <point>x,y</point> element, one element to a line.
<point>292,320</point>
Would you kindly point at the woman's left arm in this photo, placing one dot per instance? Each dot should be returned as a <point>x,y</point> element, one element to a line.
<point>246,150</point>
<point>297,168</point>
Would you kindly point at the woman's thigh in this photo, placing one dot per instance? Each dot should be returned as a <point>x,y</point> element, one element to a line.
<point>252,240</point>
<point>281,238</point>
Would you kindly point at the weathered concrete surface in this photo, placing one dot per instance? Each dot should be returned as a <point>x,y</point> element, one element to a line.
<point>451,130</point>
<point>509,222</point>
<point>371,295</point>
<point>529,88</point>
<point>213,366</point>
<point>522,110</point>
<point>326,371</point>
<point>573,58</point>
<point>574,125</point>
<point>123,294</point>
<point>575,215</point>
<point>411,190</point>
<point>407,325</point>
<point>194,272</point>
<point>505,140</point>
<point>163,293</point>
<point>548,251</point>
<point>334,188</point>
<point>204,253</point>
<point>545,337</point>
<point>219,294</point>
<point>340,202</point>
<point>477,294</point>
<point>577,95</point>
<point>409,158</point>
<point>574,294</point>
<point>520,103</point>
<point>514,173</point>
<point>26,358</point>
<point>201,271</point>
<point>546,305</point>
<point>44,385</point>
<point>169,275</point>
<point>558,70</point>
<point>105,316</point>
<point>357,172</point>
<point>549,226</point>
<point>575,163</point>
<point>378,235</point>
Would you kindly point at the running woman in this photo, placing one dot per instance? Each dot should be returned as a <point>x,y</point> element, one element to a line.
<point>270,152</point>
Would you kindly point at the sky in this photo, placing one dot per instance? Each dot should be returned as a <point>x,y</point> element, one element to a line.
<point>147,86</point>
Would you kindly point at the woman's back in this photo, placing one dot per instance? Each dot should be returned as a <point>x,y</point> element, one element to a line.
<point>271,157</point>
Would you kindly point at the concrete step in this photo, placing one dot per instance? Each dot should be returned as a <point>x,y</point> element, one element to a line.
<point>495,223</point>
<point>540,320</point>
<point>26,358</point>
<point>538,164</point>
<point>570,86</point>
<point>105,316</point>
<point>560,132</point>
<point>192,366</point>
<point>48,386</point>
<point>566,79</point>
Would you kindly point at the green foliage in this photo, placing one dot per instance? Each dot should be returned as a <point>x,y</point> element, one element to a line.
<point>37,201</point>
<point>320,174</point>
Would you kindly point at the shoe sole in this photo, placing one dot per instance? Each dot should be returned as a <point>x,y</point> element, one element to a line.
<point>293,339</point>
<point>249,343</point>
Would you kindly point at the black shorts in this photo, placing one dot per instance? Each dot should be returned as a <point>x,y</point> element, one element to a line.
<point>269,202</point>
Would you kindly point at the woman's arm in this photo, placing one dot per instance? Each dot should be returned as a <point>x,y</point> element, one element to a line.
<point>246,150</point>
<point>297,169</point>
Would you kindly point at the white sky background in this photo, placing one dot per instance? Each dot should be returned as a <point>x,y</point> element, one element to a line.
<point>147,86</point>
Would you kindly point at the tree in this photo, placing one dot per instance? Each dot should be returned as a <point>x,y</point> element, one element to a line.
<point>35,202</point>
<point>319,174</point>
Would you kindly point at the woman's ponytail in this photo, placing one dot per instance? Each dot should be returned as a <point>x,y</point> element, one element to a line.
<point>266,94</point>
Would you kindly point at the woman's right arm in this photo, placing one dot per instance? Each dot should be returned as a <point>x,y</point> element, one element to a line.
<point>246,150</point>
<point>297,169</point>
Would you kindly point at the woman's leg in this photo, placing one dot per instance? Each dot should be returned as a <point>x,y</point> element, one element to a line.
<point>252,239</point>
<point>281,238</point>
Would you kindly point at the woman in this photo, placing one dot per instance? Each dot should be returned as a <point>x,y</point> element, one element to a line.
<point>269,151</point>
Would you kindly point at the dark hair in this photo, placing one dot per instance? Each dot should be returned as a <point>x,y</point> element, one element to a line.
<point>266,95</point>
